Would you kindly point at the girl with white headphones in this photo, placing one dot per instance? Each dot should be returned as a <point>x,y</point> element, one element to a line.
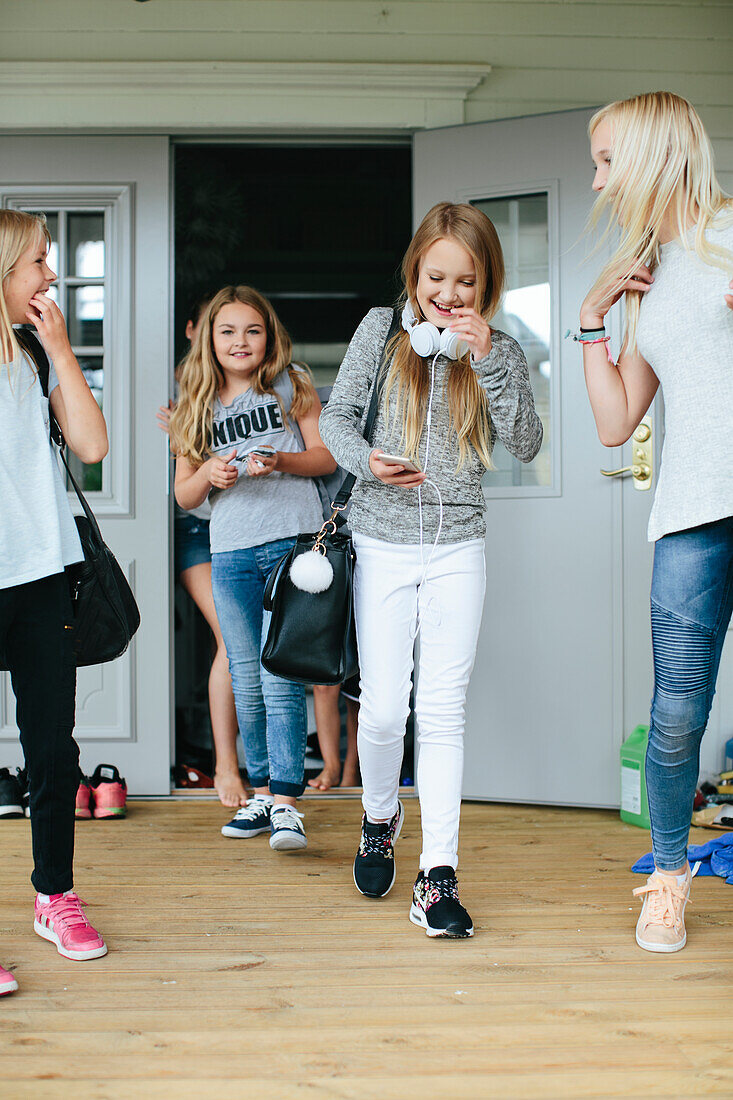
<point>452,385</point>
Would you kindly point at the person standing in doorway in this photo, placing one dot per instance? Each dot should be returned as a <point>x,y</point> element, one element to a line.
<point>38,539</point>
<point>192,558</point>
<point>654,176</point>
<point>452,384</point>
<point>232,430</point>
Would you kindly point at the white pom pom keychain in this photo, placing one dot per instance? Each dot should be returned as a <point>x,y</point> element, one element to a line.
<point>312,572</point>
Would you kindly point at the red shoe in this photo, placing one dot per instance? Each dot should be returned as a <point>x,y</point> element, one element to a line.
<point>83,799</point>
<point>61,920</point>
<point>110,792</point>
<point>7,982</point>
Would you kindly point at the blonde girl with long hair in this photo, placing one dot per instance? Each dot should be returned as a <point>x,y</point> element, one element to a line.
<point>233,430</point>
<point>38,539</point>
<point>452,385</point>
<point>192,568</point>
<point>655,178</point>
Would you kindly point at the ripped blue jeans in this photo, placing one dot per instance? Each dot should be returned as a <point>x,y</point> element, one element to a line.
<point>691,603</point>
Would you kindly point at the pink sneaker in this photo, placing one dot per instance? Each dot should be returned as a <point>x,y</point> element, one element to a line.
<point>110,792</point>
<point>7,982</point>
<point>83,799</point>
<point>61,920</point>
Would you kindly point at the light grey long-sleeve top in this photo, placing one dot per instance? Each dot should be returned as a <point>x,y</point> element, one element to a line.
<point>388,512</point>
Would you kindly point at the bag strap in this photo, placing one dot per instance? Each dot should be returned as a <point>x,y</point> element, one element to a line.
<point>273,578</point>
<point>33,347</point>
<point>341,499</point>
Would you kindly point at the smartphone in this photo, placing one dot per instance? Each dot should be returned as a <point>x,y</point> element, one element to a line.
<point>399,460</point>
<point>264,450</point>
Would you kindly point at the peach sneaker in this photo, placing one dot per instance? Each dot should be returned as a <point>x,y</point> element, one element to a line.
<point>661,925</point>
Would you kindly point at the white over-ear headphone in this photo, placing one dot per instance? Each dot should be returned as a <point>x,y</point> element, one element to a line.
<point>427,339</point>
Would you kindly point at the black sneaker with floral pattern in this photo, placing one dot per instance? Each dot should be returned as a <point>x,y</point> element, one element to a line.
<point>374,865</point>
<point>435,905</point>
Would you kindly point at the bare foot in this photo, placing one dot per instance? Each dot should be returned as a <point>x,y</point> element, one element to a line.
<point>230,789</point>
<point>325,780</point>
<point>350,778</point>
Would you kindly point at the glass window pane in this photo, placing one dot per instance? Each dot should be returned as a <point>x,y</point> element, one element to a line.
<point>52,225</point>
<point>89,477</point>
<point>522,225</point>
<point>85,242</point>
<point>86,315</point>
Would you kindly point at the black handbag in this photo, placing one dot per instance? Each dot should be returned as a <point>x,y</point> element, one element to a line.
<point>105,614</point>
<point>311,637</point>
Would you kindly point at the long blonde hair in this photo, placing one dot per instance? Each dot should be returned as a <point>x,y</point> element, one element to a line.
<point>407,379</point>
<point>661,164</point>
<point>18,232</point>
<point>200,376</point>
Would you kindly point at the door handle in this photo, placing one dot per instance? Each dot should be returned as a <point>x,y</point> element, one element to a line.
<point>642,467</point>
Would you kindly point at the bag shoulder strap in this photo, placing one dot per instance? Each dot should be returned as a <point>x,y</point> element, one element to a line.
<point>33,347</point>
<point>341,499</point>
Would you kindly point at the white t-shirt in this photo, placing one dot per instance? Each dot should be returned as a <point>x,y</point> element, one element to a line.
<point>685,333</point>
<point>38,536</point>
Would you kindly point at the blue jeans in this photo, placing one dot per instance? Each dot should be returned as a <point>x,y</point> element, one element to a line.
<point>270,711</point>
<point>691,603</point>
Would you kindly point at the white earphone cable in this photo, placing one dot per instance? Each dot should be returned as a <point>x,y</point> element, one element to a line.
<point>426,565</point>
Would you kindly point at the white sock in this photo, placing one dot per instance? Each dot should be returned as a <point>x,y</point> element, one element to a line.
<point>267,798</point>
<point>43,898</point>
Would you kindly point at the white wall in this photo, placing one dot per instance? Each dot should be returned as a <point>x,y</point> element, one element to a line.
<point>544,56</point>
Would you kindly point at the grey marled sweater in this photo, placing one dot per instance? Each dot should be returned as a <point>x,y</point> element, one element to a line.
<point>390,512</point>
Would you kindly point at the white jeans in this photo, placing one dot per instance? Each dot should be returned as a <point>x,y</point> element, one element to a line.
<point>388,599</point>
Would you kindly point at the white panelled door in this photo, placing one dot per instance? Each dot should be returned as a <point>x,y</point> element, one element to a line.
<point>563,669</point>
<point>107,202</point>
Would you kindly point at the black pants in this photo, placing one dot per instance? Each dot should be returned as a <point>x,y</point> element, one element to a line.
<point>36,644</point>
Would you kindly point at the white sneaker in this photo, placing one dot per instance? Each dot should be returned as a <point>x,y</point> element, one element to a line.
<point>286,832</point>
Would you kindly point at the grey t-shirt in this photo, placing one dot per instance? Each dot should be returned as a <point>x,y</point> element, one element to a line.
<point>390,512</point>
<point>259,509</point>
<point>685,333</point>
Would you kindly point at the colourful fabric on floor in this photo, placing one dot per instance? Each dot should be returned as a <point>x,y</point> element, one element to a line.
<point>715,858</point>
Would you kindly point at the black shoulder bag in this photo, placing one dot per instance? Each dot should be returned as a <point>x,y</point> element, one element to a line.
<point>311,637</point>
<point>104,609</point>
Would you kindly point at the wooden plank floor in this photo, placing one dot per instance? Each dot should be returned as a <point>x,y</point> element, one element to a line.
<point>233,968</point>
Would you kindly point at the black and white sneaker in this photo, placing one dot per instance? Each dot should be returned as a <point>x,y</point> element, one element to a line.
<point>250,820</point>
<point>22,775</point>
<point>11,796</point>
<point>435,905</point>
<point>374,865</point>
<point>286,831</point>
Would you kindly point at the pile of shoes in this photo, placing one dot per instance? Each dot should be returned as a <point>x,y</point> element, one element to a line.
<point>103,794</point>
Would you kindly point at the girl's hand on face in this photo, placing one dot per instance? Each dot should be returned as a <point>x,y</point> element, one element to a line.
<point>729,297</point>
<point>394,475</point>
<point>163,416</point>
<point>600,298</point>
<point>48,320</point>
<point>261,466</point>
<point>472,328</point>
<point>219,472</point>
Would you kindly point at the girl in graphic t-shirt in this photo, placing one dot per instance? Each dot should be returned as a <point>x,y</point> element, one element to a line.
<point>38,538</point>
<point>233,431</point>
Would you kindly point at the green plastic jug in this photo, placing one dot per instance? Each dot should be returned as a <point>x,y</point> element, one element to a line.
<point>634,804</point>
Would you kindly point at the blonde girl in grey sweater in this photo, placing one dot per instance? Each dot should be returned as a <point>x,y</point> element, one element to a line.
<point>655,177</point>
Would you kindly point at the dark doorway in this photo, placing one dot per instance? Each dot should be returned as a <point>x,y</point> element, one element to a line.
<point>318,229</point>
